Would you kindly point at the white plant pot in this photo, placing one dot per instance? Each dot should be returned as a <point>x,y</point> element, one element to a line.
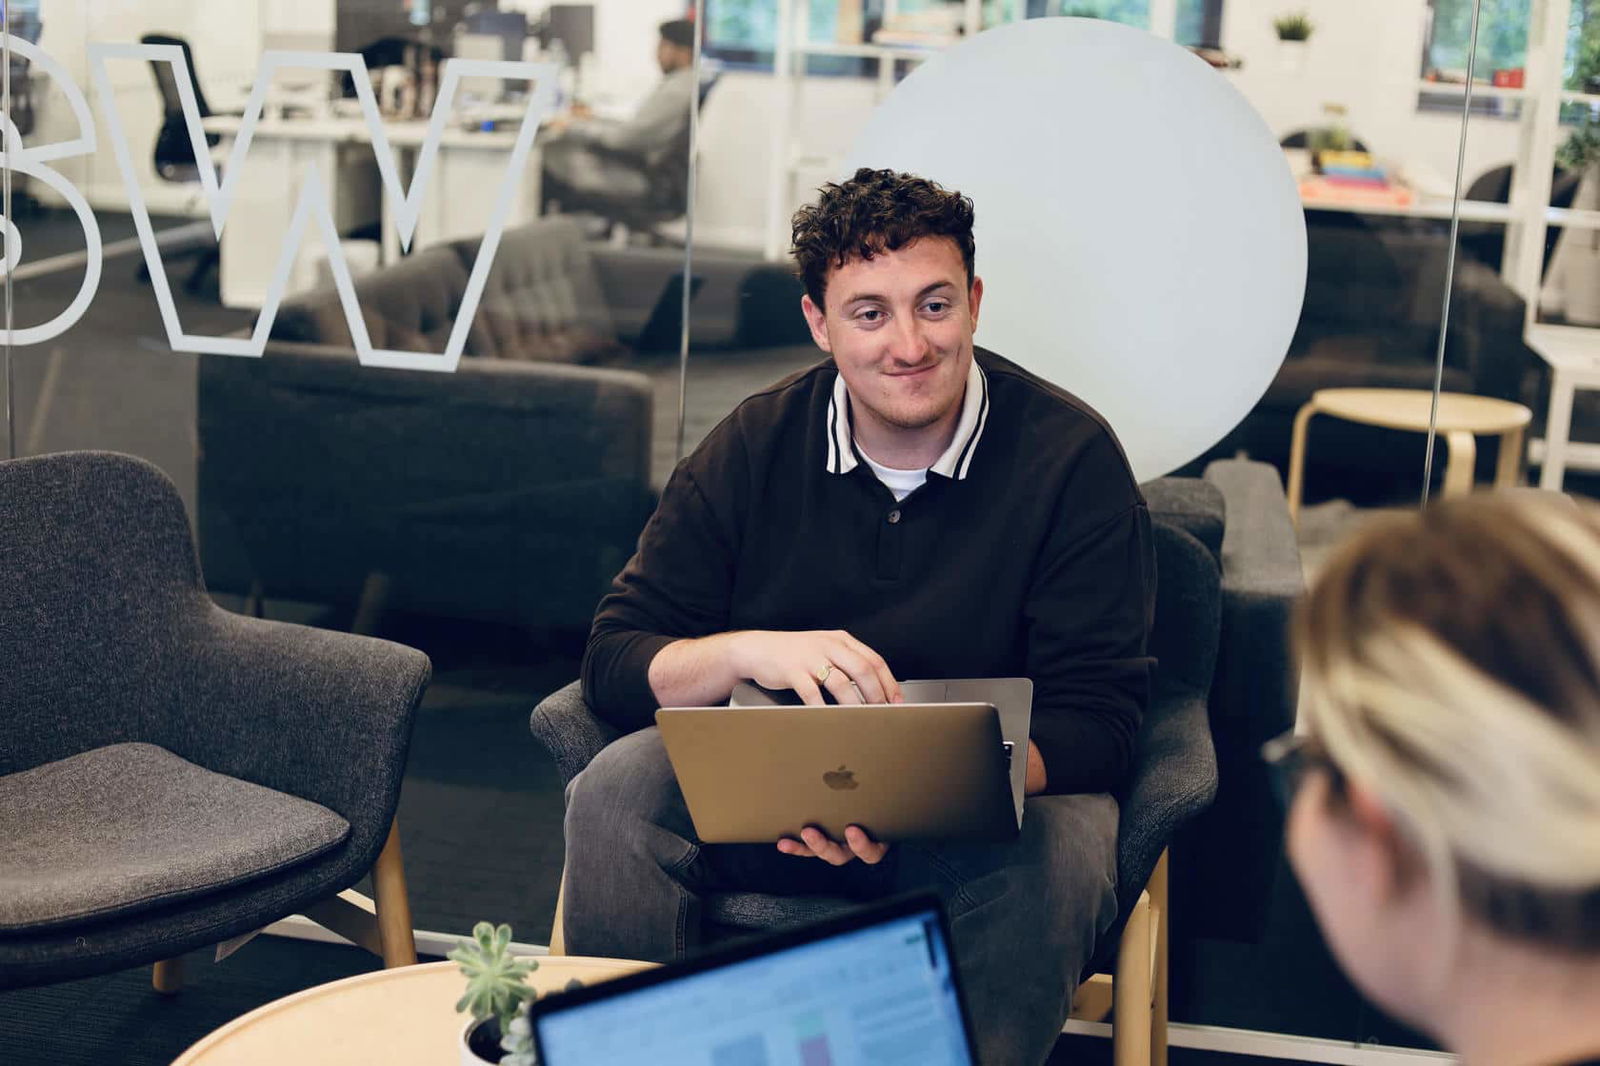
<point>1292,56</point>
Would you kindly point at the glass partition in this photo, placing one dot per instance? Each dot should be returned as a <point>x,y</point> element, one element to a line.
<point>392,293</point>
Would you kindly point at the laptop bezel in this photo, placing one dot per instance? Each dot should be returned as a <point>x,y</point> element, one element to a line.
<point>863,917</point>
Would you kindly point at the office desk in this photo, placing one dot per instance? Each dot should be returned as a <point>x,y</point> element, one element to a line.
<point>1421,206</point>
<point>456,203</point>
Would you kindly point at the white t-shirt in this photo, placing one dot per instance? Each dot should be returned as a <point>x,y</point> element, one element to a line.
<point>900,482</point>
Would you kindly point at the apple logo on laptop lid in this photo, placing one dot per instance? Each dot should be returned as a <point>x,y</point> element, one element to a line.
<point>841,780</point>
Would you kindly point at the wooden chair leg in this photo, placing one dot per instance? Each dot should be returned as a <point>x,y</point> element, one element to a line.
<point>1131,1014</point>
<point>373,602</point>
<point>1159,971</point>
<point>1297,459</point>
<point>1508,469</point>
<point>393,904</point>
<point>166,976</point>
<point>558,937</point>
<point>1462,457</point>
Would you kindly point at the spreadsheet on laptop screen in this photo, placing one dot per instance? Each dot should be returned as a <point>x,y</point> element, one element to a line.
<point>883,994</point>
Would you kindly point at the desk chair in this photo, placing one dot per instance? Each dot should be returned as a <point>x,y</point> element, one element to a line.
<point>1486,241</point>
<point>174,154</point>
<point>173,775</point>
<point>662,195</point>
<point>1174,779</point>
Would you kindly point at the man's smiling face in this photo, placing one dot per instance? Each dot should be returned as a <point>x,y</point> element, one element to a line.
<point>899,327</point>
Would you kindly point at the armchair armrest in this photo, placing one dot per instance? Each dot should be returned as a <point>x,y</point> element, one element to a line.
<point>318,714</point>
<point>573,735</point>
<point>1261,581</point>
<point>1236,844</point>
<point>632,280</point>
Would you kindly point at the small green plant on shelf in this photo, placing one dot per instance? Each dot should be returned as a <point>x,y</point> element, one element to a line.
<point>1293,27</point>
<point>497,988</point>
<point>1582,148</point>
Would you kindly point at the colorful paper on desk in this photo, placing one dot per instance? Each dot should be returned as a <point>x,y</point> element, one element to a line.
<point>1317,189</point>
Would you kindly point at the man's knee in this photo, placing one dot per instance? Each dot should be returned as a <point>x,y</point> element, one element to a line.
<point>631,780</point>
<point>1065,861</point>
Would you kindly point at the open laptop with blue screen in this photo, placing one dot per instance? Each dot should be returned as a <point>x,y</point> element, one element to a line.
<point>876,985</point>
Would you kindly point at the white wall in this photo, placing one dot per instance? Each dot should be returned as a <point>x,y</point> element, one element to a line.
<point>625,36</point>
<point>1364,54</point>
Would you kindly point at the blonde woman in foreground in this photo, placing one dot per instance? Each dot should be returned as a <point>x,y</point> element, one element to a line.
<point>1446,820</point>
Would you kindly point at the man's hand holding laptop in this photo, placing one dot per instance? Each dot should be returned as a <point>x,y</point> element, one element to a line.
<point>807,662</point>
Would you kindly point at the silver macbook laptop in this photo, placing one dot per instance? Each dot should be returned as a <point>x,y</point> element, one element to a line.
<point>1012,698</point>
<point>902,771</point>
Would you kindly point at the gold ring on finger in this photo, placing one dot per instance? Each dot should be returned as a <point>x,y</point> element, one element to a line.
<point>824,673</point>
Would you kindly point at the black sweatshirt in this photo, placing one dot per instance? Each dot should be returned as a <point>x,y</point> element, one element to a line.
<point>1030,556</point>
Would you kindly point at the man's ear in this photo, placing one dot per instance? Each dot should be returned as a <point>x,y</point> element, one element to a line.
<point>974,298</point>
<point>818,321</point>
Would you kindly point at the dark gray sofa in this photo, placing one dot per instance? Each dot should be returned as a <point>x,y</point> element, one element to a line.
<point>512,489</point>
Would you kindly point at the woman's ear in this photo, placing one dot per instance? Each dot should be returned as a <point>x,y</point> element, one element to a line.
<point>1395,865</point>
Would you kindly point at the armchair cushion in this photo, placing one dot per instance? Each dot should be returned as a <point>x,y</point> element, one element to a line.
<point>128,827</point>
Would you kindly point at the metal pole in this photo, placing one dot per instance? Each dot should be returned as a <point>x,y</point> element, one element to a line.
<point>688,225</point>
<point>1450,261</point>
<point>5,213</point>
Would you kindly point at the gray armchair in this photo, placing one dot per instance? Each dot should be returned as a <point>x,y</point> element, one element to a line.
<point>1176,773</point>
<point>173,775</point>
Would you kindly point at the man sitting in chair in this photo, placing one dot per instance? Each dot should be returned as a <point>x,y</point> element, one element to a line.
<point>911,507</point>
<point>590,162</point>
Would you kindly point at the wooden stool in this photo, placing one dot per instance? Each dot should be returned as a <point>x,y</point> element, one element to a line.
<point>1461,417</point>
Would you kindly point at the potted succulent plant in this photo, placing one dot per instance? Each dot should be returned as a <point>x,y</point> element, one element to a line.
<point>1294,30</point>
<point>497,990</point>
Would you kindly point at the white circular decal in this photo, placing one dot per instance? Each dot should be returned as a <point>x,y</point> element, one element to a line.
<point>1139,233</point>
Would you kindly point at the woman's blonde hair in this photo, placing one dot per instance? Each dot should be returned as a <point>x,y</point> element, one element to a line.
<point>1451,666</point>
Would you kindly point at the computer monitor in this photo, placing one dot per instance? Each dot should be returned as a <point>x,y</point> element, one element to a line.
<point>510,26</point>
<point>572,25</point>
<point>877,985</point>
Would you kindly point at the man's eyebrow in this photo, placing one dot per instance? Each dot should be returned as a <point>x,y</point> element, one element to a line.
<point>927,290</point>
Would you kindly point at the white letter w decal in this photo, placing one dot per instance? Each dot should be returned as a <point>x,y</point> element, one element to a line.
<point>312,205</point>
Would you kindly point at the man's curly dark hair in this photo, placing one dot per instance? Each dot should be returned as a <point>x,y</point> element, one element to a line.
<point>873,212</point>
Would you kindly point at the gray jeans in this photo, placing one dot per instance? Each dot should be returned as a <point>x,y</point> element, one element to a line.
<point>1025,914</point>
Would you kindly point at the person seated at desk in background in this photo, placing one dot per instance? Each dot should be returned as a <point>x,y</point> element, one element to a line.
<point>911,507</point>
<point>586,158</point>
<point>1446,819</point>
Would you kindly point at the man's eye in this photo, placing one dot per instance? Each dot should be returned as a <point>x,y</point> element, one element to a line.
<point>871,314</point>
<point>937,307</point>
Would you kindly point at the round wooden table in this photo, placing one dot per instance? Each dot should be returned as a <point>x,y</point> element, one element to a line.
<point>397,1017</point>
<point>1461,418</point>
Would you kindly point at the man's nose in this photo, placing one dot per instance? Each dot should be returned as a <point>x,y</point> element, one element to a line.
<point>908,344</point>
